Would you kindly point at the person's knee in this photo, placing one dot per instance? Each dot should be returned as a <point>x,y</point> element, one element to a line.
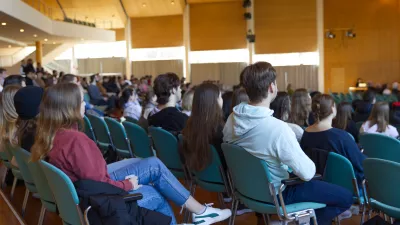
<point>154,162</point>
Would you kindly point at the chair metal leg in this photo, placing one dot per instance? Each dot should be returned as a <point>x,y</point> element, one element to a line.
<point>25,201</point>
<point>3,175</point>
<point>391,220</point>
<point>42,215</point>
<point>221,201</point>
<point>386,217</point>
<point>235,204</point>
<point>13,187</point>
<point>265,219</point>
<point>362,214</point>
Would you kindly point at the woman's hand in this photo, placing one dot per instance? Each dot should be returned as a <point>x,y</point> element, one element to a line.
<point>134,181</point>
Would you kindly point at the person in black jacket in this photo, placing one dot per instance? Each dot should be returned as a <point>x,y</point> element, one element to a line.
<point>363,108</point>
<point>344,120</point>
<point>114,206</point>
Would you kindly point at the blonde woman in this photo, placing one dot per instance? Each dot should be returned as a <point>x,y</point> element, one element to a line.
<point>378,121</point>
<point>10,116</point>
<point>59,141</point>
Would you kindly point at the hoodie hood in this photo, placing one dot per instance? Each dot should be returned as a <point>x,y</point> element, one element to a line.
<point>246,117</point>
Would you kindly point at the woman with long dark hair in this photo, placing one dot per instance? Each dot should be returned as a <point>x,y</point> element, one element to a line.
<point>343,119</point>
<point>59,141</point>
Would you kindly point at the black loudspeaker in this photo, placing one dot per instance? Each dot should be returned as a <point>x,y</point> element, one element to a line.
<point>251,38</point>
<point>247,16</point>
<point>246,3</point>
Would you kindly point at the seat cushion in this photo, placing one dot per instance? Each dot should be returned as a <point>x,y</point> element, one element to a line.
<point>295,207</point>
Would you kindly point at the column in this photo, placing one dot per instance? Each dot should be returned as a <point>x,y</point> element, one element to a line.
<point>250,27</point>
<point>39,52</point>
<point>186,43</point>
<point>128,39</point>
<point>320,45</point>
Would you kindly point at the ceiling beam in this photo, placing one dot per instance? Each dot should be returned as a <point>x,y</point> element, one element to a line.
<point>12,41</point>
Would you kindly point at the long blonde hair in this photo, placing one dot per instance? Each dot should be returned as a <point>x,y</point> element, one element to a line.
<point>9,116</point>
<point>60,109</point>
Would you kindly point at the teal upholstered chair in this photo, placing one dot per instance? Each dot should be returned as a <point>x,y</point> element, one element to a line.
<point>251,181</point>
<point>26,175</point>
<point>119,139</point>
<point>89,129</point>
<point>213,178</point>
<point>130,119</point>
<point>339,171</point>
<point>101,132</point>
<point>41,184</point>
<point>380,146</point>
<point>65,195</point>
<point>6,157</point>
<point>140,142</point>
<point>382,186</point>
<point>166,145</point>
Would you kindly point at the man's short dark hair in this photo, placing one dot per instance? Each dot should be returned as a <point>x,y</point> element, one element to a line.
<point>256,79</point>
<point>2,70</point>
<point>67,78</point>
<point>163,85</point>
<point>13,80</point>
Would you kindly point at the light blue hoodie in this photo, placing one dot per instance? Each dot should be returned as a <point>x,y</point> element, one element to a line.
<point>258,132</point>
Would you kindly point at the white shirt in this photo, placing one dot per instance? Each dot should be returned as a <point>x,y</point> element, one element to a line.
<point>390,131</point>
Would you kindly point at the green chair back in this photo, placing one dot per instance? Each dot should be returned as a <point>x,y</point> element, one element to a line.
<point>24,169</point>
<point>101,132</point>
<point>119,138</point>
<point>211,178</point>
<point>64,193</point>
<point>166,146</point>
<point>140,142</point>
<point>380,146</point>
<point>359,124</point>
<point>382,185</point>
<point>130,119</point>
<point>40,181</point>
<point>339,171</point>
<point>89,129</point>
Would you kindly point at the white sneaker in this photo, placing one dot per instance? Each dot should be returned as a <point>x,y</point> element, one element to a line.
<point>211,215</point>
<point>345,215</point>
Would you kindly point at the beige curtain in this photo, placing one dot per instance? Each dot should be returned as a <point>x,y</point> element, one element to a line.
<point>141,68</point>
<point>226,73</point>
<point>108,65</point>
<point>303,76</point>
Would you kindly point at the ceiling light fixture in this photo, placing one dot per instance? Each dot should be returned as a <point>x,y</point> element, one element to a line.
<point>172,2</point>
<point>54,43</point>
<point>3,24</point>
<point>9,46</point>
<point>21,30</point>
<point>144,5</point>
<point>82,39</point>
<point>35,35</point>
<point>46,39</point>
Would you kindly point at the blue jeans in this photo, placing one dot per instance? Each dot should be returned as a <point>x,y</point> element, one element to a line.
<point>158,183</point>
<point>336,198</point>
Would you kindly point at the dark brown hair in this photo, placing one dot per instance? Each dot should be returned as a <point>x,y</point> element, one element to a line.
<point>239,96</point>
<point>379,116</point>
<point>256,79</point>
<point>344,114</point>
<point>67,78</point>
<point>163,85</point>
<point>300,107</point>
<point>281,105</point>
<point>202,126</point>
<point>322,106</point>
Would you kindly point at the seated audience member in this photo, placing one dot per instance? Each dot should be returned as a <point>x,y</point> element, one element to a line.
<point>187,102</point>
<point>253,127</point>
<point>281,107</point>
<point>3,75</point>
<point>150,104</point>
<point>343,120</point>
<point>239,96</point>
<point>14,80</point>
<point>96,96</point>
<point>204,127</point>
<point>59,142</point>
<point>378,121</point>
<point>168,91</point>
<point>227,105</point>
<point>39,68</point>
<point>363,108</point>
<point>10,116</point>
<point>322,135</point>
<point>27,101</point>
<point>130,104</point>
<point>395,88</point>
<point>395,114</point>
<point>300,108</point>
<point>84,83</point>
<point>89,108</point>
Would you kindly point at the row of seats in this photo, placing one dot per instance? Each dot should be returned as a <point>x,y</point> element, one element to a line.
<point>350,97</point>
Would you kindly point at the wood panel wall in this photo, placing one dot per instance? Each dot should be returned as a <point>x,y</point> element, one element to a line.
<point>119,34</point>
<point>374,55</point>
<point>154,32</point>
<point>284,26</point>
<point>217,26</point>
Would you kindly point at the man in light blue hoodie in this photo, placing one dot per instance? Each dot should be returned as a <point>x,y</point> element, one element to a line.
<point>253,127</point>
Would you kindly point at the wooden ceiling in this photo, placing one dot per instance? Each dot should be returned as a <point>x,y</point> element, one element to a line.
<point>109,13</point>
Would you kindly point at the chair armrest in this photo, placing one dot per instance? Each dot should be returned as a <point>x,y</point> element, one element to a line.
<point>133,197</point>
<point>296,180</point>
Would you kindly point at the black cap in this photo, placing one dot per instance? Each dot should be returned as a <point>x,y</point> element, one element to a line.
<point>27,101</point>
